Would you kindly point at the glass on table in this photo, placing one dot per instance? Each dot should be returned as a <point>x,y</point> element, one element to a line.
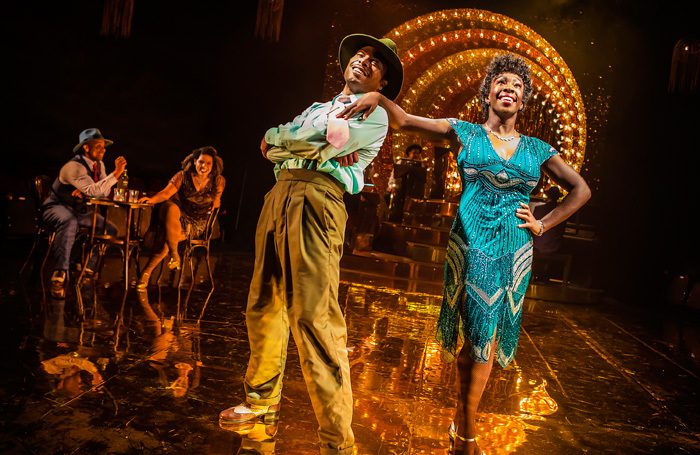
<point>133,196</point>
<point>119,194</point>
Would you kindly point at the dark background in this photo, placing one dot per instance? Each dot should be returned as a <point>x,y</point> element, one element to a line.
<point>193,74</point>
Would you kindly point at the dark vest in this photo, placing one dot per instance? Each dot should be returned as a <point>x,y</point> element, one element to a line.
<point>61,193</point>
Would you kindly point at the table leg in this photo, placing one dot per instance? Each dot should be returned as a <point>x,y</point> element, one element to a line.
<point>86,259</point>
<point>127,248</point>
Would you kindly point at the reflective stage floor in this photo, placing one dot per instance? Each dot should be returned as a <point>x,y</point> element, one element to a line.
<point>136,378</point>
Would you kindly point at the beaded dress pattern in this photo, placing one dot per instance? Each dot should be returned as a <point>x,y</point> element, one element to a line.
<point>489,258</point>
<point>195,205</point>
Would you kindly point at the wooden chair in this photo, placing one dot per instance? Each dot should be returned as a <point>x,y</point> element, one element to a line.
<point>41,187</point>
<point>192,243</point>
<point>201,242</point>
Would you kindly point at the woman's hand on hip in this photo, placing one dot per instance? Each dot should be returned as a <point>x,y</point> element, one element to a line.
<point>530,222</point>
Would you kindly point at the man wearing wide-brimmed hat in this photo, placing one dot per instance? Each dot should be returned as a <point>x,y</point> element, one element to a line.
<point>64,208</point>
<point>299,242</point>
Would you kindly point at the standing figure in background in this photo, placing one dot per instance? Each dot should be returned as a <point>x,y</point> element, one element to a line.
<point>489,255</point>
<point>550,241</point>
<point>415,177</point>
<point>64,210</point>
<point>187,200</point>
<point>299,243</point>
<point>414,152</point>
<point>407,180</point>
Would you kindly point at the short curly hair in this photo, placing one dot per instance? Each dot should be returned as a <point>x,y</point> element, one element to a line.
<point>505,63</point>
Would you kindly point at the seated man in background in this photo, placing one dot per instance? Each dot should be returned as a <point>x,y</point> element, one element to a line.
<point>64,210</point>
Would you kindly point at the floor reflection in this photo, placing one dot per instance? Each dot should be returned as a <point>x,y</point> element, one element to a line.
<point>257,438</point>
<point>149,372</point>
<point>404,390</point>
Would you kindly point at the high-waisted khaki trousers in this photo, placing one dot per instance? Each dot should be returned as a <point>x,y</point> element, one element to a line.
<point>298,246</point>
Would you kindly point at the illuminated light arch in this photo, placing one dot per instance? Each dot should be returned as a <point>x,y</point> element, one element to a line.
<point>445,54</point>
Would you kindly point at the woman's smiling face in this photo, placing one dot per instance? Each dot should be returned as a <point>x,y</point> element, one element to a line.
<point>506,93</point>
<point>203,165</point>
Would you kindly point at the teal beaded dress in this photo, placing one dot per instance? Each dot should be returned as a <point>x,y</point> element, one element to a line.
<point>489,257</point>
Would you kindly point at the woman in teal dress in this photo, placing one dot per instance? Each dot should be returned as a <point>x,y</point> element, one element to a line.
<point>489,254</point>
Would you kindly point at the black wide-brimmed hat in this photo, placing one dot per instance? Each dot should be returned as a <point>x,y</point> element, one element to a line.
<point>386,48</point>
<point>88,135</point>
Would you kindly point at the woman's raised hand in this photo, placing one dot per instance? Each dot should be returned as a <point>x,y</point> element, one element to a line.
<point>366,104</point>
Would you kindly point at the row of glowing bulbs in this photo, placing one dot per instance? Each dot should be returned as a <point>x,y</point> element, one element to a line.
<point>569,122</point>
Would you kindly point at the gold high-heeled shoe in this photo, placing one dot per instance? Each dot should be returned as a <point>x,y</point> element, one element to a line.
<point>452,433</point>
<point>174,264</point>
<point>142,283</point>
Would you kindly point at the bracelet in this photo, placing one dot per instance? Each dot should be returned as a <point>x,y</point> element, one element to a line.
<point>541,228</point>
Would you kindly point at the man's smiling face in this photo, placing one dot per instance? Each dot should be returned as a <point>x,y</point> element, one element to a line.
<point>365,71</point>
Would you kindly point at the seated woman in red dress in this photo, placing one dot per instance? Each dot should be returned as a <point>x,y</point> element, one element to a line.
<point>187,200</point>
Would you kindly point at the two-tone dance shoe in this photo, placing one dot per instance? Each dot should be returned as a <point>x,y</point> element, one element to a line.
<point>245,412</point>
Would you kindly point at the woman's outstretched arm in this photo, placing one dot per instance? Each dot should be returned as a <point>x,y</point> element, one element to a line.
<point>163,195</point>
<point>431,129</point>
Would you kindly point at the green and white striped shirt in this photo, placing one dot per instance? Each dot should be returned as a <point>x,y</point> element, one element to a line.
<point>303,140</point>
